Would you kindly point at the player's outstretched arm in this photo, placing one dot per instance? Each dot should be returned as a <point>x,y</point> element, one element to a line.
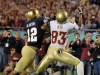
<point>80,20</point>
<point>45,27</point>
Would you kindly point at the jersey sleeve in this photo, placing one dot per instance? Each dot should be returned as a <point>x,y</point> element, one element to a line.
<point>72,28</point>
<point>43,20</point>
<point>76,26</point>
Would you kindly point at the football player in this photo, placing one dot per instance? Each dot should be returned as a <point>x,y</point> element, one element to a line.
<point>59,30</point>
<point>35,28</point>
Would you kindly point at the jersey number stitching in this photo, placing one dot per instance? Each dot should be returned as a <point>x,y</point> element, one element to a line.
<point>32,34</point>
<point>56,34</point>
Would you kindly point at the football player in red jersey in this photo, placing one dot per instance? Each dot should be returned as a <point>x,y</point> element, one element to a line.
<point>35,28</point>
<point>59,31</point>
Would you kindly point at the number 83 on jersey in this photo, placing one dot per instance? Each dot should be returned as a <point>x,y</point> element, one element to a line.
<point>58,37</point>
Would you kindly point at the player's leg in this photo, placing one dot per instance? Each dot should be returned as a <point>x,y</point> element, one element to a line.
<point>29,69</point>
<point>24,73</point>
<point>43,63</point>
<point>28,55</point>
<point>67,58</point>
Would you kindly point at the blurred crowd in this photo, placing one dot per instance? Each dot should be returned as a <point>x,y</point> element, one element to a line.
<point>13,12</point>
<point>86,13</point>
<point>10,49</point>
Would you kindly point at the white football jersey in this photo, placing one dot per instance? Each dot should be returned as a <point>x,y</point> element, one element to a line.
<point>59,33</point>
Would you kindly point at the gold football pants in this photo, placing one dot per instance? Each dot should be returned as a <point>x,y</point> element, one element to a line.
<point>59,55</point>
<point>27,60</point>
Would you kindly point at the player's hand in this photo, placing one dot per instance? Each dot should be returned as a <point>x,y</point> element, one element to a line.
<point>43,26</point>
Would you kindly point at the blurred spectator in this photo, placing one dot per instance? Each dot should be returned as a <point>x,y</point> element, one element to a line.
<point>12,61</point>
<point>85,57</point>
<point>19,43</point>
<point>2,64</point>
<point>1,53</point>
<point>95,51</point>
<point>8,41</point>
<point>76,46</point>
<point>11,21</point>
<point>95,2</point>
<point>25,39</point>
<point>42,52</point>
<point>93,15</point>
<point>97,23</point>
<point>13,12</point>
<point>88,25</point>
<point>57,68</point>
<point>52,16</point>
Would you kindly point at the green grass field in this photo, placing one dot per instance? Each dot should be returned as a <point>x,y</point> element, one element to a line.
<point>1,73</point>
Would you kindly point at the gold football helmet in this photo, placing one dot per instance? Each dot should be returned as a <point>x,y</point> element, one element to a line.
<point>61,16</point>
<point>33,13</point>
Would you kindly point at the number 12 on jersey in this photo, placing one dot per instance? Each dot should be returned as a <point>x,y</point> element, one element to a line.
<point>32,34</point>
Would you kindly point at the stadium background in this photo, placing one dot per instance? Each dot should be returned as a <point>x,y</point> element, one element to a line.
<point>13,8</point>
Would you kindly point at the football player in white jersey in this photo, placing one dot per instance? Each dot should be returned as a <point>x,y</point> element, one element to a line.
<point>56,51</point>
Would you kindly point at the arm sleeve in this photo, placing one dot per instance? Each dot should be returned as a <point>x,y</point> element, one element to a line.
<point>43,20</point>
<point>72,28</point>
<point>76,26</point>
<point>82,26</point>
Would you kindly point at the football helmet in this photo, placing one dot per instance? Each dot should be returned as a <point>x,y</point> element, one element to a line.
<point>33,13</point>
<point>61,16</point>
